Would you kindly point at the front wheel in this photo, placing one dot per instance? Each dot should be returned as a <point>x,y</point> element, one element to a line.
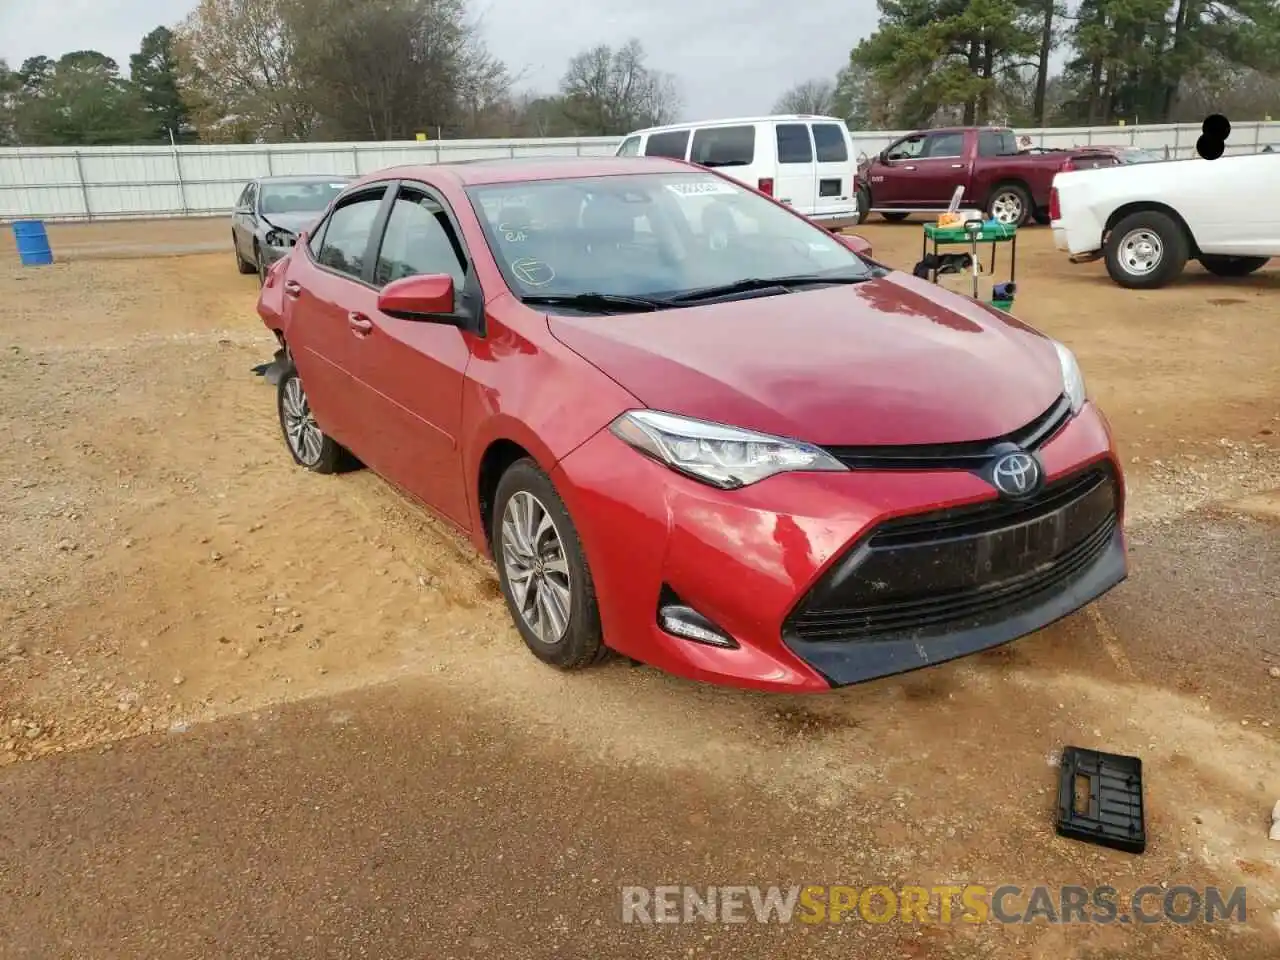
<point>543,571</point>
<point>307,443</point>
<point>243,265</point>
<point>1232,266</point>
<point>1146,250</point>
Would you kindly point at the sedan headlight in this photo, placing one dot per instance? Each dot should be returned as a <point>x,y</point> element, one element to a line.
<point>280,238</point>
<point>1072,378</point>
<point>725,457</point>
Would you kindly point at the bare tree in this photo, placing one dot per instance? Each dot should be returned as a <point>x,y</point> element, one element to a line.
<point>610,92</point>
<point>237,67</point>
<point>390,69</point>
<point>812,96</point>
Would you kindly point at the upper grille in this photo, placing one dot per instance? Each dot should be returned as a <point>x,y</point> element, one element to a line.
<point>960,568</point>
<point>966,455</point>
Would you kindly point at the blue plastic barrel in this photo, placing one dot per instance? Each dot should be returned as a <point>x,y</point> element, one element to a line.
<point>33,243</point>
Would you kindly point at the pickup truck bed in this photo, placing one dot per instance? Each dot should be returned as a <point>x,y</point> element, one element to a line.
<point>920,172</point>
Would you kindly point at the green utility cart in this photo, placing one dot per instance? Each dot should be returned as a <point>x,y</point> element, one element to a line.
<point>972,234</point>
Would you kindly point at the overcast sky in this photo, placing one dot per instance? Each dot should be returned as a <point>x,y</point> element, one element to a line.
<point>732,57</point>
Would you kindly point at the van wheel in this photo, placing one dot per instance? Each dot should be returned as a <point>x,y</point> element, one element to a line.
<point>895,217</point>
<point>1146,250</point>
<point>1232,266</point>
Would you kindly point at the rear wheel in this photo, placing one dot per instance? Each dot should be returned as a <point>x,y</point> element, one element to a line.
<point>1010,204</point>
<point>307,443</point>
<point>1232,266</point>
<point>1042,217</point>
<point>543,571</point>
<point>262,265</point>
<point>1146,250</point>
<point>895,217</point>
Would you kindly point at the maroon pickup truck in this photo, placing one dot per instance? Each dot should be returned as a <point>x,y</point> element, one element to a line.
<point>920,172</point>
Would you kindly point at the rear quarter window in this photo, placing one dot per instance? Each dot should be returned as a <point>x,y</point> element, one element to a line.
<point>829,141</point>
<point>673,144</point>
<point>997,143</point>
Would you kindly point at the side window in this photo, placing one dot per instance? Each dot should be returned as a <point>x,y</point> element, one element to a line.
<point>829,139</point>
<point>630,147</point>
<point>251,197</point>
<point>943,145</point>
<point>419,240</point>
<point>671,144</point>
<point>794,145</point>
<point>908,148</point>
<point>996,143</point>
<point>346,238</point>
<point>724,146</point>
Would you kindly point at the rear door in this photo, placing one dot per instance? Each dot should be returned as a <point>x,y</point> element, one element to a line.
<point>731,150</point>
<point>796,179</point>
<point>325,283</point>
<point>411,371</point>
<point>833,193</point>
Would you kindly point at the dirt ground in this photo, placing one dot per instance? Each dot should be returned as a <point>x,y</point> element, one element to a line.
<point>163,564</point>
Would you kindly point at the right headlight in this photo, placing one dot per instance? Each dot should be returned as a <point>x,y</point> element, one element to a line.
<point>725,457</point>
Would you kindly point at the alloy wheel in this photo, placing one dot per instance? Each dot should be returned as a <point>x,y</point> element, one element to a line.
<point>1007,208</point>
<point>300,427</point>
<point>536,567</point>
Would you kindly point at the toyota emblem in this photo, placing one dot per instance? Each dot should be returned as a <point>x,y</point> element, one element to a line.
<point>1016,474</point>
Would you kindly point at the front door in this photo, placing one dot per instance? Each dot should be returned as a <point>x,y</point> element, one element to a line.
<point>941,168</point>
<point>413,370</point>
<point>797,173</point>
<point>242,221</point>
<point>892,175</point>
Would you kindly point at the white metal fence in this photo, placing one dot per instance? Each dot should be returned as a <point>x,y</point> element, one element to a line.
<point>66,183</point>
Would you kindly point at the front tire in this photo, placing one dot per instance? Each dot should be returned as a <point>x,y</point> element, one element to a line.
<point>1232,266</point>
<point>307,443</point>
<point>543,570</point>
<point>1146,250</point>
<point>243,265</point>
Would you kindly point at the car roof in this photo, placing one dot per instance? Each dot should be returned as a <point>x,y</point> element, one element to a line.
<point>308,178</point>
<point>738,122</point>
<point>468,173</point>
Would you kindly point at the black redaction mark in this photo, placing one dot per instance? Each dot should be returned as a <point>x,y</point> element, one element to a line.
<point>1213,136</point>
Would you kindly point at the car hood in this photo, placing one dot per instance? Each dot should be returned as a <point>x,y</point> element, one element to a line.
<point>293,222</point>
<point>895,360</point>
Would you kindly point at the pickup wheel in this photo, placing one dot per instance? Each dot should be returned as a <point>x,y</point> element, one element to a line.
<point>1232,266</point>
<point>1042,217</point>
<point>1146,250</point>
<point>895,217</point>
<point>1010,204</point>
<point>864,204</point>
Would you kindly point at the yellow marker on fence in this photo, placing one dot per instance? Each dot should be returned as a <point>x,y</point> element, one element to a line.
<point>422,137</point>
<point>1120,122</point>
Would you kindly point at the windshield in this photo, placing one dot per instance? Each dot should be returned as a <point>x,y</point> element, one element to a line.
<point>650,235</point>
<point>298,197</point>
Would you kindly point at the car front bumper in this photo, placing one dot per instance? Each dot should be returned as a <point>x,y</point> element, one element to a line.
<point>828,579</point>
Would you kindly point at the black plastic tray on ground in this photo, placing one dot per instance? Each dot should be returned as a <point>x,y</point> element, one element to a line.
<point>1100,800</point>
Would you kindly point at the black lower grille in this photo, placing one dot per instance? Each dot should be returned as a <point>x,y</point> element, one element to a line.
<point>956,569</point>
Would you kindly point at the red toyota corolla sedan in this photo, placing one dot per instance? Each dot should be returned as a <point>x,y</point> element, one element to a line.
<point>691,426</point>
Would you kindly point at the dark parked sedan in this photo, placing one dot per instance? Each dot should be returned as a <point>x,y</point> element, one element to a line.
<point>270,213</point>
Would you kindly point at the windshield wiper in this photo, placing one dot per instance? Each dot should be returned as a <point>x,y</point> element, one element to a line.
<point>764,283</point>
<point>604,302</point>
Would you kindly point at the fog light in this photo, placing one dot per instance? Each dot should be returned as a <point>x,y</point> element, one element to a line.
<point>681,620</point>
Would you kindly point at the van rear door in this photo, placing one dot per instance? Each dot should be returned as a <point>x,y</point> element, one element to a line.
<point>834,169</point>
<point>796,180</point>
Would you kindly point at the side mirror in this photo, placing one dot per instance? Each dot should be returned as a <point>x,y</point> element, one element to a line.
<point>883,155</point>
<point>855,243</point>
<point>428,297</point>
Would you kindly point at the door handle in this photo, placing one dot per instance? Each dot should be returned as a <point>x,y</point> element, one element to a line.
<point>908,168</point>
<point>360,325</point>
<point>293,288</point>
<point>957,166</point>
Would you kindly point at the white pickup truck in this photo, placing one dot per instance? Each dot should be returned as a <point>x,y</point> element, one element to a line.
<point>1148,219</point>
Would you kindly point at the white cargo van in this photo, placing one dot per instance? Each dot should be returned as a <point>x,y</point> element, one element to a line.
<point>804,161</point>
